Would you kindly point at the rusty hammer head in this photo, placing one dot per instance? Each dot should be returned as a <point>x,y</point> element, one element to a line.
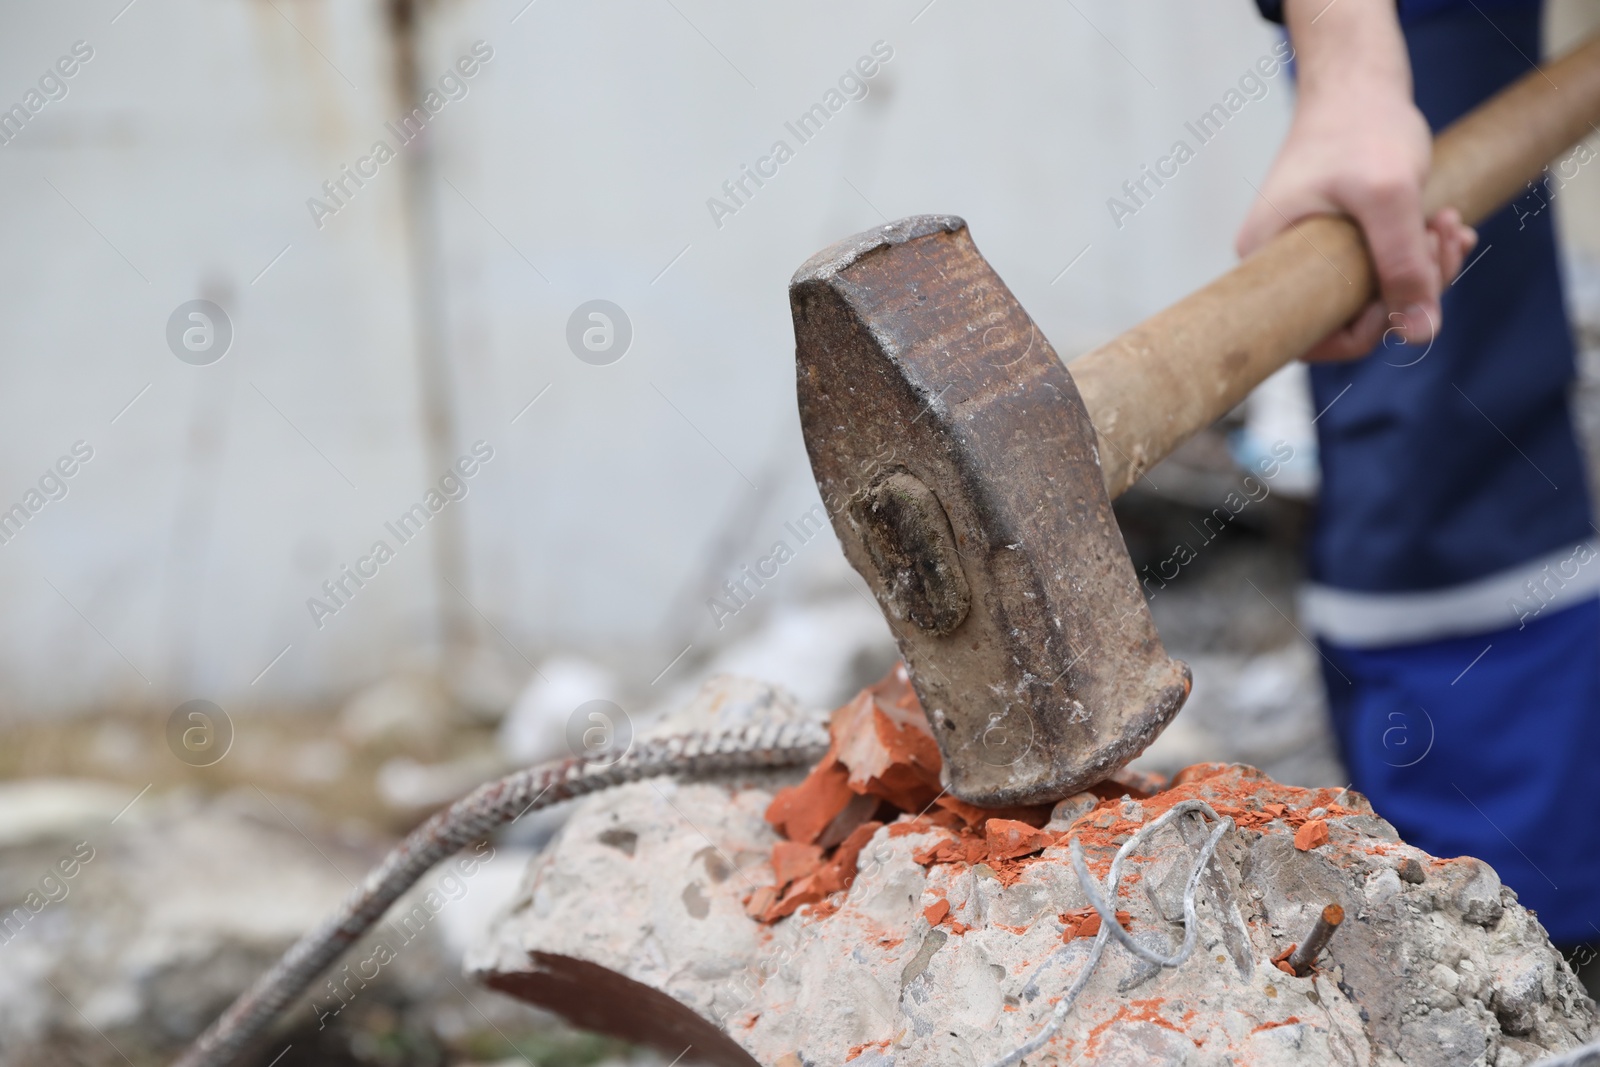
<point>959,468</point>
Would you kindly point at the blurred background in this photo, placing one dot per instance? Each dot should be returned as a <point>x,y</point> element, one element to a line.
<point>492,284</point>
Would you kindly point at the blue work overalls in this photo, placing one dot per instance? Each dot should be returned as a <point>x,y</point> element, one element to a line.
<point>1453,569</point>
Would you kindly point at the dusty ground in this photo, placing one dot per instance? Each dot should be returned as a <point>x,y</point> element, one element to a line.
<point>197,878</point>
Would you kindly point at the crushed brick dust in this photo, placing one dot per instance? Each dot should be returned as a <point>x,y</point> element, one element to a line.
<point>1085,922</point>
<point>1140,1011</point>
<point>857,1050</point>
<point>1292,1020</point>
<point>882,768</point>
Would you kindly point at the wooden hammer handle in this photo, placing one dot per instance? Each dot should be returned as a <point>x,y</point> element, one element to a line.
<point>1174,374</point>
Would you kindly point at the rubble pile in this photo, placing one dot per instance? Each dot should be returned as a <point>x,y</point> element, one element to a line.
<point>129,927</point>
<point>859,915</point>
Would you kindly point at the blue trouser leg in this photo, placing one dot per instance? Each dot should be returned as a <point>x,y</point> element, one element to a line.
<point>1450,466</point>
<point>1454,745</point>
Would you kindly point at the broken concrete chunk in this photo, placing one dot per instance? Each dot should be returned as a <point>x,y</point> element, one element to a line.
<point>945,936</point>
<point>1477,897</point>
<point>1445,1039</point>
<point>1382,887</point>
<point>1521,988</point>
<point>1066,812</point>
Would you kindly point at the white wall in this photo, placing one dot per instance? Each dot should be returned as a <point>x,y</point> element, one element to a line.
<point>577,166</point>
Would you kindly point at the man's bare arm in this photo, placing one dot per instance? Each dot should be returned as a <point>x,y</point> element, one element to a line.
<point>1358,145</point>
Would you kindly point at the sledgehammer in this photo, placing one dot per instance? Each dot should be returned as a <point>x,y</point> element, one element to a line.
<point>969,476</point>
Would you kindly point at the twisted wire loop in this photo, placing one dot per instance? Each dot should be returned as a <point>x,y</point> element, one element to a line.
<point>1110,928</point>
<point>750,748</point>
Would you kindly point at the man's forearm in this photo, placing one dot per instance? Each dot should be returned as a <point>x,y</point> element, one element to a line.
<point>1358,145</point>
<point>1348,47</point>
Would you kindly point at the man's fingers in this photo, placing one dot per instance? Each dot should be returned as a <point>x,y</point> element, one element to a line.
<point>1456,242</point>
<point>1354,340</point>
<point>1413,257</point>
<point>1448,242</point>
<point>1452,251</point>
<point>1390,215</point>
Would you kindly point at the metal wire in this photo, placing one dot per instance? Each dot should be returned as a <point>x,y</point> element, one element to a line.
<point>471,818</point>
<point>1110,928</point>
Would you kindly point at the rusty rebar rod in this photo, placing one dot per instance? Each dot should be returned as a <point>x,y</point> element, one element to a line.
<point>1305,954</point>
<point>759,746</point>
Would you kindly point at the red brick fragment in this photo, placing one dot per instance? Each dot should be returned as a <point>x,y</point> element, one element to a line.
<point>805,891</point>
<point>966,848</point>
<point>840,871</point>
<point>1085,922</point>
<point>882,739</point>
<point>1008,839</point>
<point>1197,772</point>
<point>792,861</point>
<point>761,900</point>
<point>1311,835</point>
<point>967,815</point>
<point>801,812</point>
<point>859,811</point>
<point>971,815</point>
